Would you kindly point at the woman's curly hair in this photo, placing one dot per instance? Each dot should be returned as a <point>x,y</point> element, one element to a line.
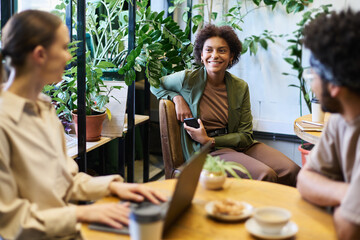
<point>225,32</point>
<point>334,39</point>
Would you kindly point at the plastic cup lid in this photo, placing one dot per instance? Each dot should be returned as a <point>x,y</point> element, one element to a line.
<point>147,214</point>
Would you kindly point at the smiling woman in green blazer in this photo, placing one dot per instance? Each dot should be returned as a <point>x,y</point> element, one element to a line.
<point>221,102</point>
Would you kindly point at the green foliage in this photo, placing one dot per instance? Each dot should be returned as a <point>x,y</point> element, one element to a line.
<point>236,15</point>
<point>215,164</point>
<point>107,25</point>
<point>161,47</point>
<point>295,50</point>
<point>97,94</point>
<point>252,43</point>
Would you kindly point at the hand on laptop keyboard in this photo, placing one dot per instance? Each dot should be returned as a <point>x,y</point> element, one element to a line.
<point>136,192</point>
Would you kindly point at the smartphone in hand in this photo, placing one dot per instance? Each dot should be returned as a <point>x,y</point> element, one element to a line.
<point>192,122</point>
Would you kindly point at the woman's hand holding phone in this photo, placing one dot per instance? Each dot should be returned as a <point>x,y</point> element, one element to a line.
<point>192,122</point>
<point>197,134</point>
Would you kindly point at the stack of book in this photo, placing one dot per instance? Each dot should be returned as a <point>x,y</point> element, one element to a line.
<point>307,126</point>
<point>70,141</point>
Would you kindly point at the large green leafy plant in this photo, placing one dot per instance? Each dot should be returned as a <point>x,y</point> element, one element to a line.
<point>106,25</point>
<point>295,57</point>
<point>162,47</point>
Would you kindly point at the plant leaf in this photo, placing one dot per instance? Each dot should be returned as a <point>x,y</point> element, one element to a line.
<point>171,9</point>
<point>108,113</point>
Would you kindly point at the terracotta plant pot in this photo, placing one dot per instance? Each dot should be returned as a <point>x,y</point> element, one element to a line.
<point>305,150</point>
<point>211,180</point>
<point>93,126</point>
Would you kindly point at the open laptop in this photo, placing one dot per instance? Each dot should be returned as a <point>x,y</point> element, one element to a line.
<point>181,198</point>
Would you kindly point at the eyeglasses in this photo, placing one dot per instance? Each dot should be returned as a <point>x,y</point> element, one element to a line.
<point>308,75</point>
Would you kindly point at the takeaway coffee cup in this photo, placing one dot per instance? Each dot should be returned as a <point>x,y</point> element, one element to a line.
<point>146,223</point>
<point>317,113</point>
<point>271,219</point>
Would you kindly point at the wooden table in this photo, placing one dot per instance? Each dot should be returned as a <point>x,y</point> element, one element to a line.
<point>313,222</point>
<point>311,137</point>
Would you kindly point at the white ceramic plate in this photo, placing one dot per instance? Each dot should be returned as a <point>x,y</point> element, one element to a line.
<point>288,231</point>
<point>229,218</point>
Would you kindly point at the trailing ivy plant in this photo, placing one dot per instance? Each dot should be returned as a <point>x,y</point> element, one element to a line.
<point>296,52</point>
<point>236,17</point>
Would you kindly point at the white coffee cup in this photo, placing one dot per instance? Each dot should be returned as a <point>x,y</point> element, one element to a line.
<point>271,219</point>
<point>146,223</point>
<point>317,114</point>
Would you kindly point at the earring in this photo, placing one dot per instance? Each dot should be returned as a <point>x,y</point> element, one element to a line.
<point>202,61</point>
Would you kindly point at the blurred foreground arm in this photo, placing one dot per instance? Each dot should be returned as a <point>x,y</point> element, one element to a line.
<point>319,189</point>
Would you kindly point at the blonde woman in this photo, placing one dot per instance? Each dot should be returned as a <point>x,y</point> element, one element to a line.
<point>38,179</point>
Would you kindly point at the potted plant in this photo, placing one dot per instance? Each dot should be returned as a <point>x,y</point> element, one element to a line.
<point>161,48</point>
<point>97,94</point>
<point>215,170</point>
<point>295,60</point>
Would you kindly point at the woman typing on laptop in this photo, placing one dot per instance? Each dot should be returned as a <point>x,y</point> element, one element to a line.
<point>38,179</point>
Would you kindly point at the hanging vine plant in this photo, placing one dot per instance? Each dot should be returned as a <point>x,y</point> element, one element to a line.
<point>295,50</point>
<point>235,17</point>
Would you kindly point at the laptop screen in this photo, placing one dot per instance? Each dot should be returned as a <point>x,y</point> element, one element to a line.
<point>186,186</point>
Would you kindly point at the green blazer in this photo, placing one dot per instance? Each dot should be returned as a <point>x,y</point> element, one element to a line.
<point>190,84</point>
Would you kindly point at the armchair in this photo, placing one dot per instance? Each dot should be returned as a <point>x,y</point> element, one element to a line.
<point>170,139</point>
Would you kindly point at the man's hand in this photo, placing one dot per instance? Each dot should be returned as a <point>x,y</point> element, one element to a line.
<point>113,214</point>
<point>135,192</point>
<point>318,189</point>
<point>181,108</point>
<point>198,134</point>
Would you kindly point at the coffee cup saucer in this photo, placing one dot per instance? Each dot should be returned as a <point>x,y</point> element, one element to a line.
<point>289,230</point>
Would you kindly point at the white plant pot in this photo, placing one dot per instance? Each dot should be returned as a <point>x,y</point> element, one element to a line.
<point>212,181</point>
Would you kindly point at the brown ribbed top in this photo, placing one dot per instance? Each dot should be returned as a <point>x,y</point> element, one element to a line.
<point>214,107</point>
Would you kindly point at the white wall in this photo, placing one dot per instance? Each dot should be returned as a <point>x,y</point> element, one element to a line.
<point>45,5</point>
<point>275,106</point>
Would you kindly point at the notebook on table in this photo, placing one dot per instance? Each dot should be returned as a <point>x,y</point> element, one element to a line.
<point>181,198</point>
